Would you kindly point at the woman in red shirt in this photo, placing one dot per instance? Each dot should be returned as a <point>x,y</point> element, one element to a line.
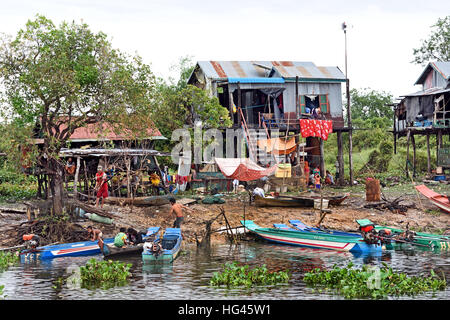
<point>101,186</point>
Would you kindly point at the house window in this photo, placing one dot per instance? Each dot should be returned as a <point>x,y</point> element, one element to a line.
<point>314,101</point>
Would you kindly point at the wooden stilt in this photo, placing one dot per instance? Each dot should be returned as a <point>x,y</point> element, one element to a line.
<point>428,154</point>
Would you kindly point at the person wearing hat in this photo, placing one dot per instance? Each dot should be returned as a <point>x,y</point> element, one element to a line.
<point>101,186</point>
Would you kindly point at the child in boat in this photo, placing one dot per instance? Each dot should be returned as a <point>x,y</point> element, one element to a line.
<point>177,211</point>
<point>120,239</point>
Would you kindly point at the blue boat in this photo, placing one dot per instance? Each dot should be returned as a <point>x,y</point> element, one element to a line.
<point>169,250</point>
<point>74,249</point>
<point>300,226</point>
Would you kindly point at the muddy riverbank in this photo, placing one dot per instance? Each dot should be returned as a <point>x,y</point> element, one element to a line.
<point>421,214</point>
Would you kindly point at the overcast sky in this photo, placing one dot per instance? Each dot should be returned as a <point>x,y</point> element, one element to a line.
<point>381,34</point>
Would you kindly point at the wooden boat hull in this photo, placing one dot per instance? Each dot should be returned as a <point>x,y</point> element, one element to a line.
<point>74,249</point>
<point>140,201</point>
<point>171,243</point>
<point>111,250</point>
<point>439,200</point>
<point>283,202</point>
<point>312,240</point>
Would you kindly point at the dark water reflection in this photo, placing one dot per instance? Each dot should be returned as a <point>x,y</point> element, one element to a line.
<point>188,277</point>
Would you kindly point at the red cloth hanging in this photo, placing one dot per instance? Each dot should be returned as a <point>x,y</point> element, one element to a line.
<point>316,128</point>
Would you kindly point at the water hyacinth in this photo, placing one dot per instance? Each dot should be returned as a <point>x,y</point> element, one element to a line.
<point>104,274</point>
<point>370,282</point>
<point>7,259</point>
<point>234,275</point>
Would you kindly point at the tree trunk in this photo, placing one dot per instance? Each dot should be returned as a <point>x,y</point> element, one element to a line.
<point>56,186</point>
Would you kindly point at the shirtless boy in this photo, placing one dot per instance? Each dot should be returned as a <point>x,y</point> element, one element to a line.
<point>177,211</point>
<point>95,234</point>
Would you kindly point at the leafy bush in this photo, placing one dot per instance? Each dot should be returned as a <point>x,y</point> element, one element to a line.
<point>235,275</point>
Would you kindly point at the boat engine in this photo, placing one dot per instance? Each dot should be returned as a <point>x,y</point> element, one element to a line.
<point>372,236</point>
<point>156,249</point>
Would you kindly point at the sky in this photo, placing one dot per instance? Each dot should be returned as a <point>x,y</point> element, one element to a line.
<point>381,34</point>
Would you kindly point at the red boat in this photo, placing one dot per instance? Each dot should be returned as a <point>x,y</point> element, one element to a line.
<point>437,199</point>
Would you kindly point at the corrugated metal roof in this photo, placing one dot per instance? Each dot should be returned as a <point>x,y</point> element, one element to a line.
<point>256,80</point>
<point>443,67</point>
<point>431,91</point>
<point>222,70</point>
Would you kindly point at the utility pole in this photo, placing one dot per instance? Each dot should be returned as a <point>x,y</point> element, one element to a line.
<point>349,112</point>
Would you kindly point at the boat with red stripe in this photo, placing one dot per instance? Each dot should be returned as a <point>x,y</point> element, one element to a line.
<point>312,240</point>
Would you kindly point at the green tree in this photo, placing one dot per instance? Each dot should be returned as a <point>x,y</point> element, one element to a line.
<point>181,104</point>
<point>65,77</point>
<point>437,46</point>
<point>368,104</point>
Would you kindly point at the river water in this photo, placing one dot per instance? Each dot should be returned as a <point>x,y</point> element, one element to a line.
<point>188,277</point>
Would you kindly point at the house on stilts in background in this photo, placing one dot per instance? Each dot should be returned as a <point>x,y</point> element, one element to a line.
<point>426,112</point>
<point>283,108</point>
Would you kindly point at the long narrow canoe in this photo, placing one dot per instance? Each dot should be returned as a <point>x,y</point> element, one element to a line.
<point>140,201</point>
<point>171,245</point>
<point>111,250</point>
<point>283,202</point>
<point>74,249</point>
<point>312,240</point>
<point>439,200</point>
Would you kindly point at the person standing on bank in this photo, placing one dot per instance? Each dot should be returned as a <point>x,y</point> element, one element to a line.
<point>101,186</point>
<point>177,211</point>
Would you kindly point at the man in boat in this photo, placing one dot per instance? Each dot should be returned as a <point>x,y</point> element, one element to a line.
<point>177,211</point>
<point>121,239</point>
<point>134,237</point>
<point>101,186</point>
<point>95,234</point>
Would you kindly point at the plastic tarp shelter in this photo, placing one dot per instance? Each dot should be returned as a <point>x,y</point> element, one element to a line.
<point>243,169</point>
<point>278,145</point>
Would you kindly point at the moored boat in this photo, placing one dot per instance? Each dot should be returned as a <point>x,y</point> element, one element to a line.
<point>439,200</point>
<point>110,249</point>
<point>300,226</point>
<point>283,201</point>
<point>74,249</point>
<point>163,250</point>
<point>312,240</point>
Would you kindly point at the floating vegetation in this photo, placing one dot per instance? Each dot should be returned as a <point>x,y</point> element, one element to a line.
<point>372,282</point>
<point>234,275</point>
<point>104,274</point>
<point>1,291</point>
<point>7,259</point>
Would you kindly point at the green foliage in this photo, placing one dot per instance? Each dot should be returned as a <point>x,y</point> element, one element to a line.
<point>437,46</point>
<point>373,283</point>
<point>104,274</point>
<point>7,259</point>
<point>234,275</point>
<point>370,104</point>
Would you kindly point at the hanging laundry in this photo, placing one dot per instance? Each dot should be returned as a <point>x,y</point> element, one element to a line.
<point>316,128</point>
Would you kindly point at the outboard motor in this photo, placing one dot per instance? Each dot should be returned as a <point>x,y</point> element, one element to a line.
<point>31,241</point>
<point>369,234</point>
<point>156,249</point>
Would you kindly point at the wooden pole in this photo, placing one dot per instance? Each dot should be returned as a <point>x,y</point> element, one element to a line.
<point>340,158</point>
<point>413,142</point>
<point>428,154</point>
<point>408,137</point>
